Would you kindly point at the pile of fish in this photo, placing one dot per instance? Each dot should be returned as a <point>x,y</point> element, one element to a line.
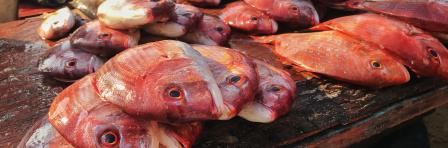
<point>129,92</point>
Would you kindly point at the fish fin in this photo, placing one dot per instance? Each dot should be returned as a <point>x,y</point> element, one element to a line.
<point>320,27</point>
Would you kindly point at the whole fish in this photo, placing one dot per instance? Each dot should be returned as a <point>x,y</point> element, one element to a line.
<point>129,14</point>
<point>430,15</point>
<point>416,49</point>
<point>93,37</point>
<point>339,56</point>
<point>244,17</point>
<point>84,119</point>
<point>165,81</point>
<point>57,24</point>
<point>297,12</point>
<point>210,31</point>
<point>234,72</point>
<point>274,97</point>
<point>205,2</point>
<point>185,18</point>
<point>68,64</point>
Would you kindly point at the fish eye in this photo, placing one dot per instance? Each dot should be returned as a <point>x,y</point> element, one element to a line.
<point>187,14</point>
<point>375,64</point>
<point>55,22</point>
<point>294,8</point>
<point>254,18</point>
<point>103,35</point>
<point>234,79</point>
<point>109,138</point>
<point>174,92</point>
<point>275,88</point>
<point>433,53</point>
<point>219,29</point>
<point>70,63</point>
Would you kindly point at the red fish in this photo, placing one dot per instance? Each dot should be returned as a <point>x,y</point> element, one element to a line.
<point>275,94</point>
<point>57,24</point>
<point>68,64</point>
<point>93,37</point>
<point>235,74</point>
<point>413,47</point>
<point>210,31</point>
<point>84,119</point>
<point>339,56</point>
<point>128,14</point>
<point>165,81</point>
<point>297,12</point>
<point>185,18</point>
<point>244,17</point>
<point>430,15</point>
<point>205,2</point>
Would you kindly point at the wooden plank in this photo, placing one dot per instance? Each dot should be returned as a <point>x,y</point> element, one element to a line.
<point>320,103</point>
<point>384,119</point>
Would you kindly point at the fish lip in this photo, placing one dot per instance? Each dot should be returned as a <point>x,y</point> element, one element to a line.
<point>274,26</point>
<point>229,112</point>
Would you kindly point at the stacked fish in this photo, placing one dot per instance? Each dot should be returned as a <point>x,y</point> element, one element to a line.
<point>156,94</point>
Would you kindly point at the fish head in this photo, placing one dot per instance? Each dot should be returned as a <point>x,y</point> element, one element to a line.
<point>187,15</point>
<point>214,29</point>
<point>436,54</point>
<point>386,68</point>
<point>251,20</point>
<point>96,38</point>
<point>234,72</point>
<point>299,12</point>
<point>68,64</point>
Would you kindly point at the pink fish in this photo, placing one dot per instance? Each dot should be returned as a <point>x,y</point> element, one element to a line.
<point>274,97</point>
<point>339,56</point>
<point>185,18</point>
<point>165,81</point>
<point>235,74</point>
<point>297,12</point>
<point>210,31</point>
<point>244,17</point>
<point>416,49</point>
<point>129,14</point>
<point>93,37</point>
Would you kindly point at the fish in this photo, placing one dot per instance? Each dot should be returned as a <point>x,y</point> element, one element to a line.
<point>131,14</point>
<point>165,80</point>
<point>339,56</point>
<point>205,2</point>
<point>299,13</point>
<point>274,96</point>
<point>95,38</point>
<point>56,24</point>
<point>67,64</point>
<point>84,119</point>
<point>43,134</point>
<point>186,17</point>
<point>234,72</point>
<point>413,47</point>
<point>242,16</point>
<point>430,15</point>
<point>210,31</point>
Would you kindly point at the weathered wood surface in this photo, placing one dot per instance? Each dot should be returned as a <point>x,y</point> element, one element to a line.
<point>320,104</point>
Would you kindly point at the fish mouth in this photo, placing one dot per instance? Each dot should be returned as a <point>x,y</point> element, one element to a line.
<point>274,26</point>
<point>95,64</point>
<point>256,112</point>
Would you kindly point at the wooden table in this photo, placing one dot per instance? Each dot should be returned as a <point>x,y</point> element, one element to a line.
<point>325,112</point>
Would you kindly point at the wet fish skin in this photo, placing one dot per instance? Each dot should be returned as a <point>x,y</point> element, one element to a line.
<point>416,49</point>
<point>244,17</point>
<point>43,134</point>
<point>166,81</point>
<point>275,95</point>
<point>235,74</point>
<point>299,13</point>
<point>363,63</point>
<point>185,18</point>
<point>131,14</point>
<point>429,15</point>
<point>205,2</point>
<point>95,38</point>
<point>66,63</point>
<point>84,119</point>
<point>210,31</point>
<point>57,24</point>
